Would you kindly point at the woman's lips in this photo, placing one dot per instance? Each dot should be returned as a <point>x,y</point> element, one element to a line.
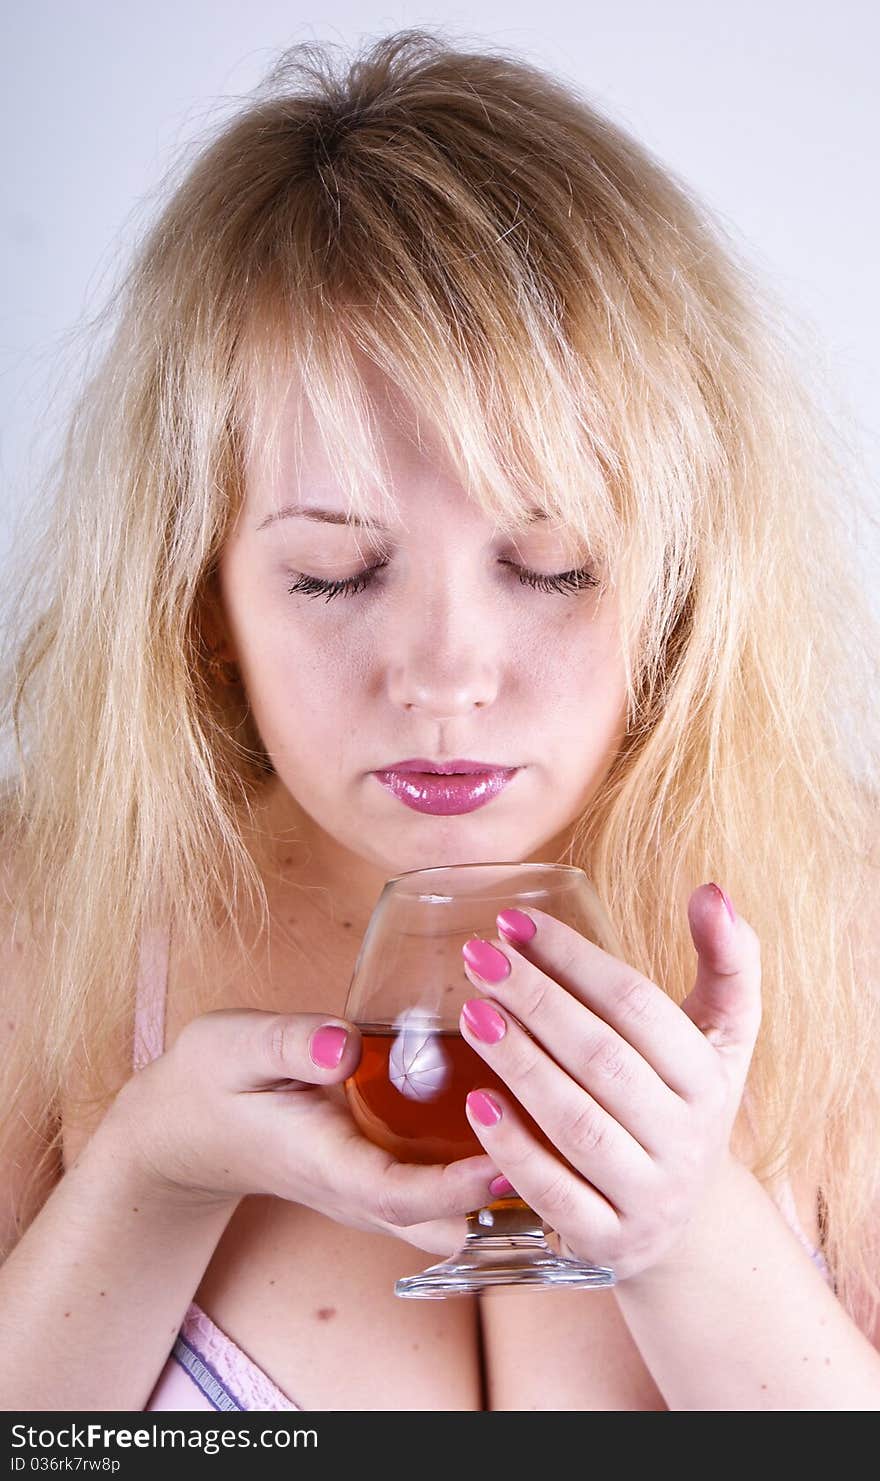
<point>430,792</point>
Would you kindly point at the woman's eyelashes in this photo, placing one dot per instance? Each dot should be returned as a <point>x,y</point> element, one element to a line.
<point>566,582</point>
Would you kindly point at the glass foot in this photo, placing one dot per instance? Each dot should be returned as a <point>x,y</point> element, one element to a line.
<point>489,1260</point>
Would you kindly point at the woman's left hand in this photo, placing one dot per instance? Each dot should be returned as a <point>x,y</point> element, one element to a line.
<point>637,1095</point>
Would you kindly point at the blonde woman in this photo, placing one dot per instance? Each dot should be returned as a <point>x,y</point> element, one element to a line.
<point>437,426</point>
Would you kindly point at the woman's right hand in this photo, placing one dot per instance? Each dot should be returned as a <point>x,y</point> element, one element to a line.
<point>238,1105</point>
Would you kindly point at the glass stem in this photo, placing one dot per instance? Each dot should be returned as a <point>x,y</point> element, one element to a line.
<point>505,1219</point>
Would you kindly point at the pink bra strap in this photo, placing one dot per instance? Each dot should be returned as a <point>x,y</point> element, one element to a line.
<point>149,1013</point>
<point>238,1372</point>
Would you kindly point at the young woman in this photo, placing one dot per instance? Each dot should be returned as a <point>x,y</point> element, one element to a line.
<point>437,424</point>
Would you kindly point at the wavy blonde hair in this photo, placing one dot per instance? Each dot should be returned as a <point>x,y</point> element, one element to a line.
<point>586,339</point>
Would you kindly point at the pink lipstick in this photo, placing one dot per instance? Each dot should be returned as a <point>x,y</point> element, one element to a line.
<point>445,787</point>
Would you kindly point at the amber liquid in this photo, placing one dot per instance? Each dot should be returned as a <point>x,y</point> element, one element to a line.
<point>429,1124</point>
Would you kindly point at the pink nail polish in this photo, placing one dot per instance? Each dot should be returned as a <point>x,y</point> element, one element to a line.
<point>327,1046</point>
<point>486,960</point>
<point>515,925</point>
<point>500,1187</point>
<point>730,910</point>
<point>482,1020</point>
<point>486,1110</point>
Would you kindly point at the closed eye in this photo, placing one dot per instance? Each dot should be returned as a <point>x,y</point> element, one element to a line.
<point>565,582</point>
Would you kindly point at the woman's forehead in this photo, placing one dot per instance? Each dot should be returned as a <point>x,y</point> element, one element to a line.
<point>281,408</point>
<point>363,443</point>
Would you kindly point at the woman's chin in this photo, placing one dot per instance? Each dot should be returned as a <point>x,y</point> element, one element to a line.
<point>445,855</point>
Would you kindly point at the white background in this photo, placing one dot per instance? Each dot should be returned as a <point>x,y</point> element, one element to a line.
<point>769,111</point>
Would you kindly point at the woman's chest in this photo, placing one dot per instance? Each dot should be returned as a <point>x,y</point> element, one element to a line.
<point>309,1301</point>
<point>312,1302</point>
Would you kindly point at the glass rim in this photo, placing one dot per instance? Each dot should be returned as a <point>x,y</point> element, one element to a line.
<point>435,869</point>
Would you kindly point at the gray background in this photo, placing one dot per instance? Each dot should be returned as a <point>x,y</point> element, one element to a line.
<point>769,111</point>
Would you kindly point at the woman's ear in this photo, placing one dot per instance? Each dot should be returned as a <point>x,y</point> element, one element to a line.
<point>215,628</point>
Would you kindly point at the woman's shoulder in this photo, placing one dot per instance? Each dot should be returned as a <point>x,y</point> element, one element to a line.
<point>42,1125</point>
<point>30,1157</point>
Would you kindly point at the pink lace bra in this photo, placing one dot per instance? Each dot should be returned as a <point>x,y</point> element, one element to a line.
<point>206,1369</point>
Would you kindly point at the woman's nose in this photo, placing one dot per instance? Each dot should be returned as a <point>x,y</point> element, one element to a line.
<point>444,670</point>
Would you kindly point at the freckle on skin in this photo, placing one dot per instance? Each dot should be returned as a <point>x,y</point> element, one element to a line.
<point>67,1313</point>
<point>827,1362</point>
<point>763,1385</point>
<point>324,1313</point>
<point>271,1282</point>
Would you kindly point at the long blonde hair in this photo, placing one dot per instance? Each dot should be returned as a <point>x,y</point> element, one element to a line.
<point>586,339</point>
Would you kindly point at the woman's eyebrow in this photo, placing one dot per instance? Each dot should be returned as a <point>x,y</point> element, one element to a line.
<point>333,517</point>
<point>325,516</point>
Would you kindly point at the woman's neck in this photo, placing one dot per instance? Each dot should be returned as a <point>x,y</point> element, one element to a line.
<point>331,889</point>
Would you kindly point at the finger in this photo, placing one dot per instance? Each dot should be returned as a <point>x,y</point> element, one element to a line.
<point>586,1135</point>
<point>642,1014</point>
<point>561,1198</point>
<point>256,1050</point>
<point>725,1003</point>
<point>406,1193</point>
<point>371,1178</point>
<point>438,1236</point>
<point>595,1055</point>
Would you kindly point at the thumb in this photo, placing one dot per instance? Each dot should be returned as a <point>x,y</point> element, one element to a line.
<point>251,1049</point>
<point>304,1049</point>
<point>725,1003</point>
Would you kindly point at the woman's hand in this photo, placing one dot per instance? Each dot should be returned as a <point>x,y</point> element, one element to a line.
<point>247,1101</point>
<point>637,1095</point>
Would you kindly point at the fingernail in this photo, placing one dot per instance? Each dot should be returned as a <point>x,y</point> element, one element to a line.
<point>486,1110</point>
<point>327,1046</point>
<point>515,925</point>
<point>483,1022</point>
<point>486,960</point>
<point>730,910</point>
<point>500,1187</point>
